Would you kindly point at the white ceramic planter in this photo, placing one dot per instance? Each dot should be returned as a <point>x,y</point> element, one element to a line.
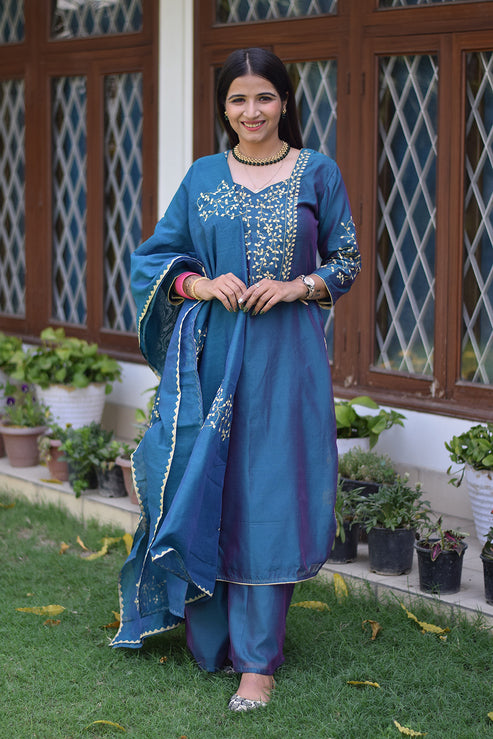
<point>344,445</point>
<point>480,489</point>
<point>75,406</point>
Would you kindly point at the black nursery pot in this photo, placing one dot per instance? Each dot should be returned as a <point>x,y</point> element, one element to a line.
<point>391,552</point>
<point>74,473</point>
<point>368,488</point>
<point>488,578</point>
<point>442,576</point>
<point>346,551</point>
<point>111,483</point>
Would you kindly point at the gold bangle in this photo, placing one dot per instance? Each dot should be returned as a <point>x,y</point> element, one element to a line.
<point>192,288</point>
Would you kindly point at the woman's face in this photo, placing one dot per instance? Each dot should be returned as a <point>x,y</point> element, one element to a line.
<point>253,107</point>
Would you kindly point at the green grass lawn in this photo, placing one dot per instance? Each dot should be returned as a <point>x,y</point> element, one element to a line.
<point>57,679</point>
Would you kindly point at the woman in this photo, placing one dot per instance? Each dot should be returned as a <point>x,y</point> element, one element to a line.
<point>237,473</point>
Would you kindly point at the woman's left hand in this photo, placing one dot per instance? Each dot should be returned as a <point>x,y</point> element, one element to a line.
<point>263,295</point>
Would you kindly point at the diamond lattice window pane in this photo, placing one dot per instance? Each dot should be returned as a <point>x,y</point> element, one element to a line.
<point>12,204</point>
<point>406,214</point>
<point>123,195</point>
<point>11,21</point>
<point>80,18</point>
<point>69,136</point>
<point>242,11</point>
<point>477,307</point>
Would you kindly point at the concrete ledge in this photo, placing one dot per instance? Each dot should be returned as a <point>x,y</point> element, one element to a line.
<point>33,483</point>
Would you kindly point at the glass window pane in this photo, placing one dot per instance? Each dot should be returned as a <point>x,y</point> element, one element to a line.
<point>241,11</point>
<point>11,21</point>
<point>407,140</point>
<point>80,18</point>
<point>477,307</point>
<point>12,204</point>
<point>123,195</point>
<point>69,137</point>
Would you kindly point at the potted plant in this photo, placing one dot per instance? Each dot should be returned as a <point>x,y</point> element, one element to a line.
<point>362,468</point>
<point>81,450</point>
<point>23,420</point>
<point>391,516</point>
<point>109,473</point>
<point>440,554</point>
<point>345,547</point>
<point>487,559</point>
<point>70,375</point>
<point>49,445</point>
<point>353,424</point>
<point>473,450</point>
<point>9,345</point>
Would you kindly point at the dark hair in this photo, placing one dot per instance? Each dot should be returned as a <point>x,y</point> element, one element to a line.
<point>262,63</point>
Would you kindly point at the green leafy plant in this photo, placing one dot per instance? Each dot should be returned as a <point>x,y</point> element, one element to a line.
<point>367,466</point>
<point>53,432</point>
<point>434,537</point>
<point>64,360</point>
<point>83,450</point>
<point>473,447</point>
<point>345,507</point>
<point>351,424</point>
<point>487,550</point>
<point>394,506</point>
<point>9,345</point>
<point>22,408</point>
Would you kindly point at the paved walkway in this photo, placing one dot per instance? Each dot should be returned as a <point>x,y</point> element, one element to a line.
<point>32,483</point>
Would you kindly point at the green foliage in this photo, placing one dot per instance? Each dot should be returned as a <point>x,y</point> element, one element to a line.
<point>54,431</point>
<point>9,345</point>
<point>351,424</point>
<point>86,449</point>
<point>487,550</point>
<point>393,506</point>
<point>22,408</point>
<point>434,537</point>
<point>64,360</point>
<point>345,506</point>
<point>367,466</point>
<point>142,421</point>
<point>473,447</point>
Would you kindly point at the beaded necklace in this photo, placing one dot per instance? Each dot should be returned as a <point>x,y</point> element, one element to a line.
<point>278,157</point>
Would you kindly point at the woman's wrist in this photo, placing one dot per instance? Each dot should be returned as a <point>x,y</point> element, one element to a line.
<point>180,284</point>
<point>189,286</point>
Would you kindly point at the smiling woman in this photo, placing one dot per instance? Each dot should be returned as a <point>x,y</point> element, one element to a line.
<point>253,246</point>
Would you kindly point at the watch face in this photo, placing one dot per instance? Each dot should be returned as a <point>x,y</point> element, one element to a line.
<point>309,281</point>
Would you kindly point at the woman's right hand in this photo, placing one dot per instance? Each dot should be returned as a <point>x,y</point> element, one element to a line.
<point>225,288</point>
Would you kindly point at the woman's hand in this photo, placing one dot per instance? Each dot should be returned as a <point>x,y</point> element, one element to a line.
<point>262,296</point>
<point>225,288</point>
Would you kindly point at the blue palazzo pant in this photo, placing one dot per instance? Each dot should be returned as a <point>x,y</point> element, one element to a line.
<point>243,623</point>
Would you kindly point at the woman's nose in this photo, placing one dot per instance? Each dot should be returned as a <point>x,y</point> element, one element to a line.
<point>251,108</point>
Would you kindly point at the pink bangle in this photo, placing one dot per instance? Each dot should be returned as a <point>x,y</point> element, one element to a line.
<point>178,285</point>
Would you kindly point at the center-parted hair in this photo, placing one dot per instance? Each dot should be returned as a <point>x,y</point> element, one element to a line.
<point>262,63</point>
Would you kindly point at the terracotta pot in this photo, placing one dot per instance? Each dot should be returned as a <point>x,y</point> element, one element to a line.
<point>57,467</point>
<point>126,466</point>
<point>21,444</point>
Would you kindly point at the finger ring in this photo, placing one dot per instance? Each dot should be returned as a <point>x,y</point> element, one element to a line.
<point>257,284</point>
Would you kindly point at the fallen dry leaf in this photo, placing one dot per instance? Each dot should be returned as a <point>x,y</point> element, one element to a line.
<point>375,628</point>
<point>106,723</point>
<point>51,480</point>
<point>430,628</point>
<point>81,544</point>
<point>490,715</point>
<point>408,732</point>
<point>108,541</point>
<point>314,605</point>
<point>63,547</point>
<point>129,540</point>
<point>7,505</point>
<point>363,682</point>
<point>52,622</point>
<point>43,610</point>
<point>163,660</point>
<point>340,586</point>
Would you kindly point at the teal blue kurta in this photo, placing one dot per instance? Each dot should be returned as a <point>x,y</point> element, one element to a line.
<point>237,473</point>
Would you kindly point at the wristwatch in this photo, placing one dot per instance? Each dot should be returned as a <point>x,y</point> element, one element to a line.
<point>309,283</point>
